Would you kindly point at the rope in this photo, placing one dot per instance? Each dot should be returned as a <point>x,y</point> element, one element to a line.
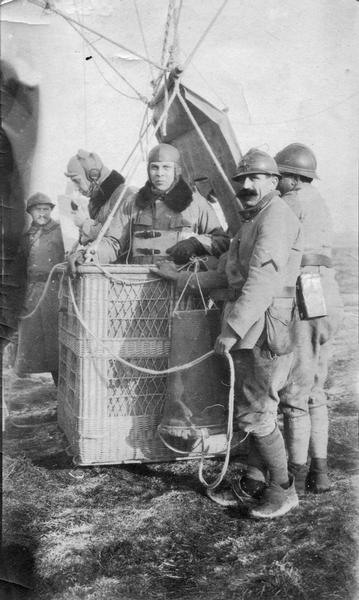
<point>143,39</point>
<point>125,187</point>
<point>176,369</point>
<point>204,34</point>
<point>118,279</point>
<point>104,37</point>
<point>109,64</point>
<point>44,292</point>
<point>166,34</point>
<point>229,436</point>
<point>208,147</point>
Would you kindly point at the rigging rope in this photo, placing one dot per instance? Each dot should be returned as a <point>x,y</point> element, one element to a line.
<point>106,60</point>
<point>208,147</point>
<point>143,39</point>
<point>104,37</point>
<point>44,292</point>
<point>204,34</point>
<point>93,248</point>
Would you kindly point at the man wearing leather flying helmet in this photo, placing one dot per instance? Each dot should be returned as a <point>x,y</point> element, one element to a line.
<point>164,219</point>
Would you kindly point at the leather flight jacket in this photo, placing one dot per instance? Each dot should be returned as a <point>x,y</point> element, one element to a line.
<point>148,245</point>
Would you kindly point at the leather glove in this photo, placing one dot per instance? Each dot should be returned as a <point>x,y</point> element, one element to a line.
<point>167,270</point>
<point>75,259</point>
<point>182,251</point>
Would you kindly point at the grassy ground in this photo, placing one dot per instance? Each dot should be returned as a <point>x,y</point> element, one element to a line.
<point>147,531</point>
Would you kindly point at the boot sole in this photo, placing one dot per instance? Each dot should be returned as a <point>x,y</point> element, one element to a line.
<point>221,502</point>
<point>256,514</point>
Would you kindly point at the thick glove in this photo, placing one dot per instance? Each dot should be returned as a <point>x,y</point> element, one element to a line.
<point>167,270</point>
<point>75,259</point>
<point>182,251</point>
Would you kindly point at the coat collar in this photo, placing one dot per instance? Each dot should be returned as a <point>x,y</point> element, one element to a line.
<point>104,192</point>
<point>249,213</point>
<point>177,199</point>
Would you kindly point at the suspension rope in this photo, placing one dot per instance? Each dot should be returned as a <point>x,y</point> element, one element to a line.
<point>166,34</point>
<point>94,246</point>
<point>109,64</point>
<point>143,39</point>
<point>102,36</point>
<point>204,34</point>
<point>44,292</point>
<point>208,147</point>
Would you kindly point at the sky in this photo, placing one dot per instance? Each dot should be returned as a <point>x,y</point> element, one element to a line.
<point>287,71</point>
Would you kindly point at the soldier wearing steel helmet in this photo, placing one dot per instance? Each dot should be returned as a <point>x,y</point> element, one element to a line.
<point>165,218</point>
<point>42,248</point>
<point>260,271</point>
<point>303,400</point>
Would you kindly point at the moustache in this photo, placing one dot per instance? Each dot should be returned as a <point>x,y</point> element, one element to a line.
<point>246,193</point>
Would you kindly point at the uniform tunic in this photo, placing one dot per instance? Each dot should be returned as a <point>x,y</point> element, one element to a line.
<point>262,266</point>
<point>38,336</point>
<point>310,360</point>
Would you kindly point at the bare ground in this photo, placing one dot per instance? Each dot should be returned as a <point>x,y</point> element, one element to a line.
<point>147,531</point>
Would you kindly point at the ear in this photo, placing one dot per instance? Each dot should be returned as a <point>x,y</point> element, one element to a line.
<point>275,181</point>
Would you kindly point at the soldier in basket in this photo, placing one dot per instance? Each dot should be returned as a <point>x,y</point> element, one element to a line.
<point>260,273</point>
<point>305,405</point>
<point>42,248</point>
<point>165,218</point>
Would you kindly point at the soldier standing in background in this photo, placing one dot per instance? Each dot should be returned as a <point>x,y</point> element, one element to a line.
<point>303,400</point>
<point>42,248</point>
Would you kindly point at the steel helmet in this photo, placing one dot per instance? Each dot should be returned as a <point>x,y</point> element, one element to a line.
<point>256,161</point>
<point>297,159</point>
<point>36,199</point>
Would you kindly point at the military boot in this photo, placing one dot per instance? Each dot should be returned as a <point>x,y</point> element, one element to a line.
<point>248,491</point>
<point>317,480</point>
<point>275,502</point>
<point>223,495</point>
<point>300,473</point>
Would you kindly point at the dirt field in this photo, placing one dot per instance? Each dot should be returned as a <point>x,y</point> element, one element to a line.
<point>147,531</point>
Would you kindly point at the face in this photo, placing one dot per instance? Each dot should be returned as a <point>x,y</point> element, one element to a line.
<point>81,184</point>
<point>41,214</point>
<point>162,175</point>
<point>252,188</point>
<point>286,183</point>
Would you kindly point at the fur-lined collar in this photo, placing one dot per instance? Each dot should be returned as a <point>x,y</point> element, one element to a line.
<point>177,199</point>
<point>104,192</point>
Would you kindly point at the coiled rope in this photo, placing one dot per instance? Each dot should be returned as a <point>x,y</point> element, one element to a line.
<point>44,291</point>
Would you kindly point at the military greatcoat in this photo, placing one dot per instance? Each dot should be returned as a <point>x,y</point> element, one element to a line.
<point>38,336</point>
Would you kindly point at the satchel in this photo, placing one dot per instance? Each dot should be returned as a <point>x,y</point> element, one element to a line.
<point>278,328</point>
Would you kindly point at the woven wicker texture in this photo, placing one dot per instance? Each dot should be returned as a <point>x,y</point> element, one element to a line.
<point>110,412</point>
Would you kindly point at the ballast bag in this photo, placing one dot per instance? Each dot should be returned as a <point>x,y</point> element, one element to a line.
<point>197,400</point>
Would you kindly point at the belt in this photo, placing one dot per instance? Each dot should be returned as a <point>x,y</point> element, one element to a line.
<point>147,234</point>
<point>316,260</point>
<point>231,294</point>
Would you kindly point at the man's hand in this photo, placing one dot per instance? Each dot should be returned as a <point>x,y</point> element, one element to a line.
<point>75,259</point>
<point>80,216</point>
<point>182,251</point>
<point>167,270</point>
<point>226,340</point>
